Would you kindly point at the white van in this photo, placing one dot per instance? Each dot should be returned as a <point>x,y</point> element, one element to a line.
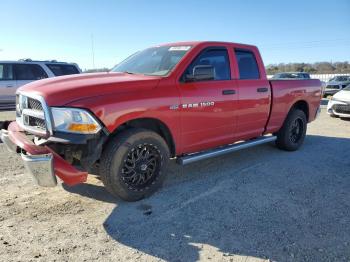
<point>14,74</point>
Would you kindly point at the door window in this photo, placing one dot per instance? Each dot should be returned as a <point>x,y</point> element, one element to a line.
<point>216,57</point>
<point>248,67</point>
<point>6,72</point>
<point>29,72</point>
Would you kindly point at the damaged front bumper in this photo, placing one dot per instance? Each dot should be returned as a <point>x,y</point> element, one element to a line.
<point>41,162</point>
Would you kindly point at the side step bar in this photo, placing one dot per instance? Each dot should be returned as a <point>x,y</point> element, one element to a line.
<point>187,159</point>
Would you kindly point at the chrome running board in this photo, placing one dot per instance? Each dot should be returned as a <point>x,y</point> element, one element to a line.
<point>187,159</point>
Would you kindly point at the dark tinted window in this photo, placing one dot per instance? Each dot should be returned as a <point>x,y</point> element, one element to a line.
<point>60,70</point>
<point>218,58</point>
<point>248,67</point>
<point>29,72</point>
<point>6,72</point>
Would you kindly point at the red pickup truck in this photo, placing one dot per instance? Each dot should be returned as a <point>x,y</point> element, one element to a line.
<point>189,101</point>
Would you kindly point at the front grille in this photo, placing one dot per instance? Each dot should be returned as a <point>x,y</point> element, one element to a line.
<point>37,122</point>
<point>34,104</point>
<point>341,109</point>
<point>332,86</point>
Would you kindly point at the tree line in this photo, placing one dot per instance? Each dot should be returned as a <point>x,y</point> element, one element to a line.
<point>312,68</point>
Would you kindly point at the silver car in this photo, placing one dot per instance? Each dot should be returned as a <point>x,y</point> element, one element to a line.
<point>292,75</point>
<point>14,74</point>
<point>336,84</point>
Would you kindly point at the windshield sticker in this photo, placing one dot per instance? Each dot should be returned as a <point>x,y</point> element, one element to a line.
<point>179,48</point>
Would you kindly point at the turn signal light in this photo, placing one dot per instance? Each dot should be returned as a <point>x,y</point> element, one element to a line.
<point>83,128</point>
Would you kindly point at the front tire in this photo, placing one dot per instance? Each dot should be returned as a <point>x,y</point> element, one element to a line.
<point>133,163</point>
<point>292,134</point>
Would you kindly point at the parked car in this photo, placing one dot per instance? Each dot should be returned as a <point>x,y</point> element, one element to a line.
<point>336,84</point>
<point>292,75</point>
<point>14,74</point>
<point>188,101</point>
<point>339,104</point>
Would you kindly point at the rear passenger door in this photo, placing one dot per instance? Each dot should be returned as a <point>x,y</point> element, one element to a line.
<point>7,83</point>
<point>26,73</point>
<point>254,95</point>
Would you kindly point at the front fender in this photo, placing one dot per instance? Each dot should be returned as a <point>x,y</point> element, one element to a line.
<point>115,110</point>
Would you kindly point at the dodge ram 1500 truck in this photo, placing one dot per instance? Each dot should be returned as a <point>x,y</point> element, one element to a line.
<point>189,101</point>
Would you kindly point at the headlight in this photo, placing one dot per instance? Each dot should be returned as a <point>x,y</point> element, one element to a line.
<point>74,120</point>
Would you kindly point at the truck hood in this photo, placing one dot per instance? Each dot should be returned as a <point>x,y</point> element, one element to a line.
<point>59,91</point>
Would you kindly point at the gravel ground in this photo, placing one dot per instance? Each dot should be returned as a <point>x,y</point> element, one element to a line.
<point>253,205</point>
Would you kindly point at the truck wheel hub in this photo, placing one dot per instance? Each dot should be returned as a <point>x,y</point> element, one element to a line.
<point>141,166</point>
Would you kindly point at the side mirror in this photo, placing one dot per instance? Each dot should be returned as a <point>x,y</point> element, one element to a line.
<point>201,73</point>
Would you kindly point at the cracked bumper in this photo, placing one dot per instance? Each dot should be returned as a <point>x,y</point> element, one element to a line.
<point>41,162</point>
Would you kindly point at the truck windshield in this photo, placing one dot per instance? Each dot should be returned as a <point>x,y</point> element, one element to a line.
<point>157,61</point>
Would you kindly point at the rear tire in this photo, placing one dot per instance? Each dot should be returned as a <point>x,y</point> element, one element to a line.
<point>292,134</point>
<point>133,163</point>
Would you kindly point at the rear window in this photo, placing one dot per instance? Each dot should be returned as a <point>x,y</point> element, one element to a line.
<point>248,67</point>
<point>61,70</point>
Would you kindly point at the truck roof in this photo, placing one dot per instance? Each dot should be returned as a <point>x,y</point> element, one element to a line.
<point>195,43</point>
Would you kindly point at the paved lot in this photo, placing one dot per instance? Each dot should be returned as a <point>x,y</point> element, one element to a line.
<point>257,204</point>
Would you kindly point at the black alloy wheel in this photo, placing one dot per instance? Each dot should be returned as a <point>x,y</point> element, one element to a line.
<point>141,166</point>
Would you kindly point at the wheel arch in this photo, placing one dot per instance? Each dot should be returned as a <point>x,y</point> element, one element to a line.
<point>152,124</point>
<point>303,106</point>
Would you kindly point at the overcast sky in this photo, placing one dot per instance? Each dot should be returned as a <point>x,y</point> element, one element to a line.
<point>285,31</point>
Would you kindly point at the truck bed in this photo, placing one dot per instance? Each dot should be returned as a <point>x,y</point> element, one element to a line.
<point>286,92</point>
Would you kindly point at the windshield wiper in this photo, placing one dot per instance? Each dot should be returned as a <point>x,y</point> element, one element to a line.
<point>127,72</point>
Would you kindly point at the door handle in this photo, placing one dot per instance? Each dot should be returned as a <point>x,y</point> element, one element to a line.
<point>9,85</point>
<point>262,89</point>
<point>229,92</point>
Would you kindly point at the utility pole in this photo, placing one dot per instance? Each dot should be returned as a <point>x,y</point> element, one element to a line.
<point>92,51</point>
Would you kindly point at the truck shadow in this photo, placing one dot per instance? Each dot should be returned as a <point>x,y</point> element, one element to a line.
<point>97,192</point>
<point>260,202</point>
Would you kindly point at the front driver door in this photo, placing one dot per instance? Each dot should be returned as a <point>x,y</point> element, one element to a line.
<point>207,107</point>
